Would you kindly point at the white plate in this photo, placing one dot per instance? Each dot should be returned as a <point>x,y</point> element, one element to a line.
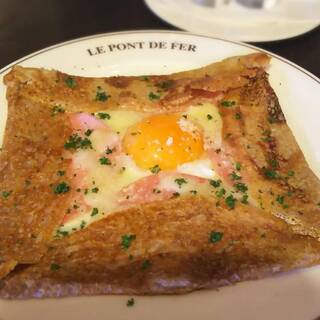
<point>287,19</point>
<point>293,296</point>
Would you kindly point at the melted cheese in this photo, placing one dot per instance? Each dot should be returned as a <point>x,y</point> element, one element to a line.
<point>208,118</point>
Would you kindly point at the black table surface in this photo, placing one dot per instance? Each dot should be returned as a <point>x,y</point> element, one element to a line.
<point>27,26</point>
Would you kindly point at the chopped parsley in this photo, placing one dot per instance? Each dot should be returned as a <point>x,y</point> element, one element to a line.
<point>270,174</point>
<point>104,115</point>
<point>215,183</point>
<point>56,109</point>
<point>145,265</point>
<point>244,199</point>
<point>228,103</point>
<point>105,161</point>
<point>194,192</point>
<point>61,187</point>
<point>266,139</point>
<point>6,194</point>
<point>274,163</point>
<point>126,240</point>
<point>101,95</point>
<point>130,302</point>
<point>70,82</point>
<point>230,201</point>
<point>109,151</point>
<point>241,187</point>
<point>234,176</point>
<point>61,173</point>
<point>180,181</point>
<point>54,267</point>
<point>76,142</point>
<point>272,119</point>
<point>153,96</point>
<point>88,132</point>
<point>165,85</point>
<point>215,236</point>
<point>155,169</point>
<point>175,194</point>
<point>238,116</point>
<point>280,200</point>
<point>94,212</point>
<point>83,224</point>
<point>220,193</point>
<point>238,166</point>
<point>62,233</point>
<point>209,116</point>
<point>95,190</point>
<point>290,173</point>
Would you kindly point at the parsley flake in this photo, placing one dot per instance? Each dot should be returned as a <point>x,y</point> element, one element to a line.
<point>238,166</point>
<point>61,233</point>
<point>105,161</point>
<point>109,151</point>
<point>270,174</point>
<point>76,142</point>
<point>145,265</point>
<point>6,194</point>
<point>153,96</point>
<point>56,109</point>
<point>209,116</point>
<point>165,85</point>
<point>241,187</point>
<point>194,192</point>
<point>290,173</point>
<point>104,115</point>
<point>274,163</point>
<point>230,201</point>
<point>70,82</point>
<point>88,132</point>
<point>95,190</point>
<point>220,193</point>
<point>155,169</point>
<point>180,181</point>
<point>83,224</point>
<point>61,187</point>
<point>61,173</point>
<point>130,302</point>
<point>228,103</point>
<point>244,199</point>
<point>101,95</point>
<point>94,212</point>
<point>238,116</point>
<point>215,183</point>
<point>215,236</point>
<point>54,267</point>
<point>126,240</point>
<point>234,176</point>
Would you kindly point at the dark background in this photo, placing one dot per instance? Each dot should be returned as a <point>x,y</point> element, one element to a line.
<point>27,26</point>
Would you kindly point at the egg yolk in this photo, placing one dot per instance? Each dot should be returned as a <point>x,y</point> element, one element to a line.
<point>165,140</point>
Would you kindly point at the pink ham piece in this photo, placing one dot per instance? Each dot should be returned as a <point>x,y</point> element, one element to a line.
<point>149,188</point>
<point>82,121</point>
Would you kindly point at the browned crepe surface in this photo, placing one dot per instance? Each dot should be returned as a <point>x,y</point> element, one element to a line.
<point>172,252</point>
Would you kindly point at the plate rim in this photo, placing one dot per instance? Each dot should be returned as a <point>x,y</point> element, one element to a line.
<point>150,31</point>
<point>149,4</point>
